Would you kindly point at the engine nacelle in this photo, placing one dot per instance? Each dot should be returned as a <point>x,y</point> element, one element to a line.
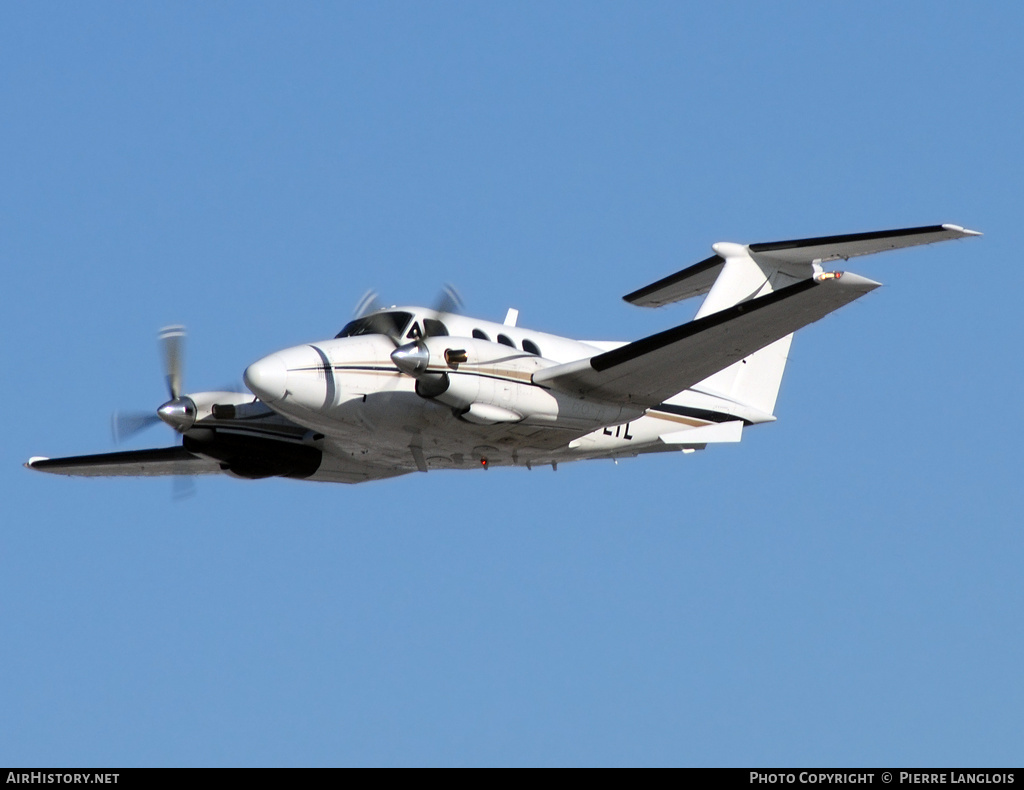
<point>488,383</point>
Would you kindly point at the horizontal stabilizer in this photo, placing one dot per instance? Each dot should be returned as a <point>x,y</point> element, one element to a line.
<point>731,431</point>
<point>651,370</point>
<point>149,463</point>
<point>691,281</point>
<point>698,279</point>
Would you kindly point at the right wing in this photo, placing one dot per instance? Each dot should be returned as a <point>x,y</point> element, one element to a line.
<point>653,369</point>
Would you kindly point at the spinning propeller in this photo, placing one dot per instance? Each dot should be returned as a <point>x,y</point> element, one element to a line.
<point>180,411</point>
<point>413,358</point>
<point>371,310</point>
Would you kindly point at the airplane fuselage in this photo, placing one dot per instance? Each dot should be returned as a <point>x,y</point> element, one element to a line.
<point>483,410</point>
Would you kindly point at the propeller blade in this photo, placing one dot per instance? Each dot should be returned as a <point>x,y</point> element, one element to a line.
<point>367,304</point>
<point>368,308</point>
<point>449,301</point>
<point>382,322</point>
<point>179,412</point>
<point>128,423</point>
<point>172,343</point>
<point>183,487</point>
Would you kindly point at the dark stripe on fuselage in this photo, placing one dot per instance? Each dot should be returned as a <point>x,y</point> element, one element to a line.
<point>397,372</point>
<point>328,371</point>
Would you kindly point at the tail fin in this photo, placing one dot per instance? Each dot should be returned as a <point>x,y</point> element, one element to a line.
<point>738,273</point>
<point>755,380</point>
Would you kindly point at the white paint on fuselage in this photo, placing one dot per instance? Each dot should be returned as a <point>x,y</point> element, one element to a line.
<point>349,391</point>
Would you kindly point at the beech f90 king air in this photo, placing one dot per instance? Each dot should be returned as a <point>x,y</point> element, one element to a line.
<point>406,389</point>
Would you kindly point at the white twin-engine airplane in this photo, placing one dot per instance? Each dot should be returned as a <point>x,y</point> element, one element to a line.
<point>402,389</point>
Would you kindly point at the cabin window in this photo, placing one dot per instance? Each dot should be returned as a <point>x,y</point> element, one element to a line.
<point>434,328</point>
<point>531,348</point>
<point>506,340</point>
<point>388,323</point>
<point>480,334</point>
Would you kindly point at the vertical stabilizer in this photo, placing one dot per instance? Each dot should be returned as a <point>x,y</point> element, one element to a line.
<point>737,273</point>
<point>755,380</point>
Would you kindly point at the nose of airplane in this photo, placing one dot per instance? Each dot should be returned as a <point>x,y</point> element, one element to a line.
<point>268,378</point>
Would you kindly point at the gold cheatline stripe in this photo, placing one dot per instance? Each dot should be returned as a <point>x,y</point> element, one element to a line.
<point>692,422</point>
<point>358,367</point>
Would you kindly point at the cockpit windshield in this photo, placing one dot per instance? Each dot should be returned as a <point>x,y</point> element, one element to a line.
<point>387,323</point>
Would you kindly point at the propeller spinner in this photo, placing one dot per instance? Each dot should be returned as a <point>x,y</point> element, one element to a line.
<point>180,411</point>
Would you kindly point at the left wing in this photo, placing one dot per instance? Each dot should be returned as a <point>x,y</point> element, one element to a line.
<point>148,463</point>
<point>653,369</point>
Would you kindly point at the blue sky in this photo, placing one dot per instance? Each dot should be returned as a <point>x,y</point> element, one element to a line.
<point>842,588</point>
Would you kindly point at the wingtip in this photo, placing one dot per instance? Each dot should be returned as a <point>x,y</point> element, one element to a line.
<point>30,464</point>
<point>858,281</point>
<point>962,230</point>
<point>848,280</point>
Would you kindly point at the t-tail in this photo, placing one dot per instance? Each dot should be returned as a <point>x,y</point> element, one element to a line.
<point>742,273</point>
